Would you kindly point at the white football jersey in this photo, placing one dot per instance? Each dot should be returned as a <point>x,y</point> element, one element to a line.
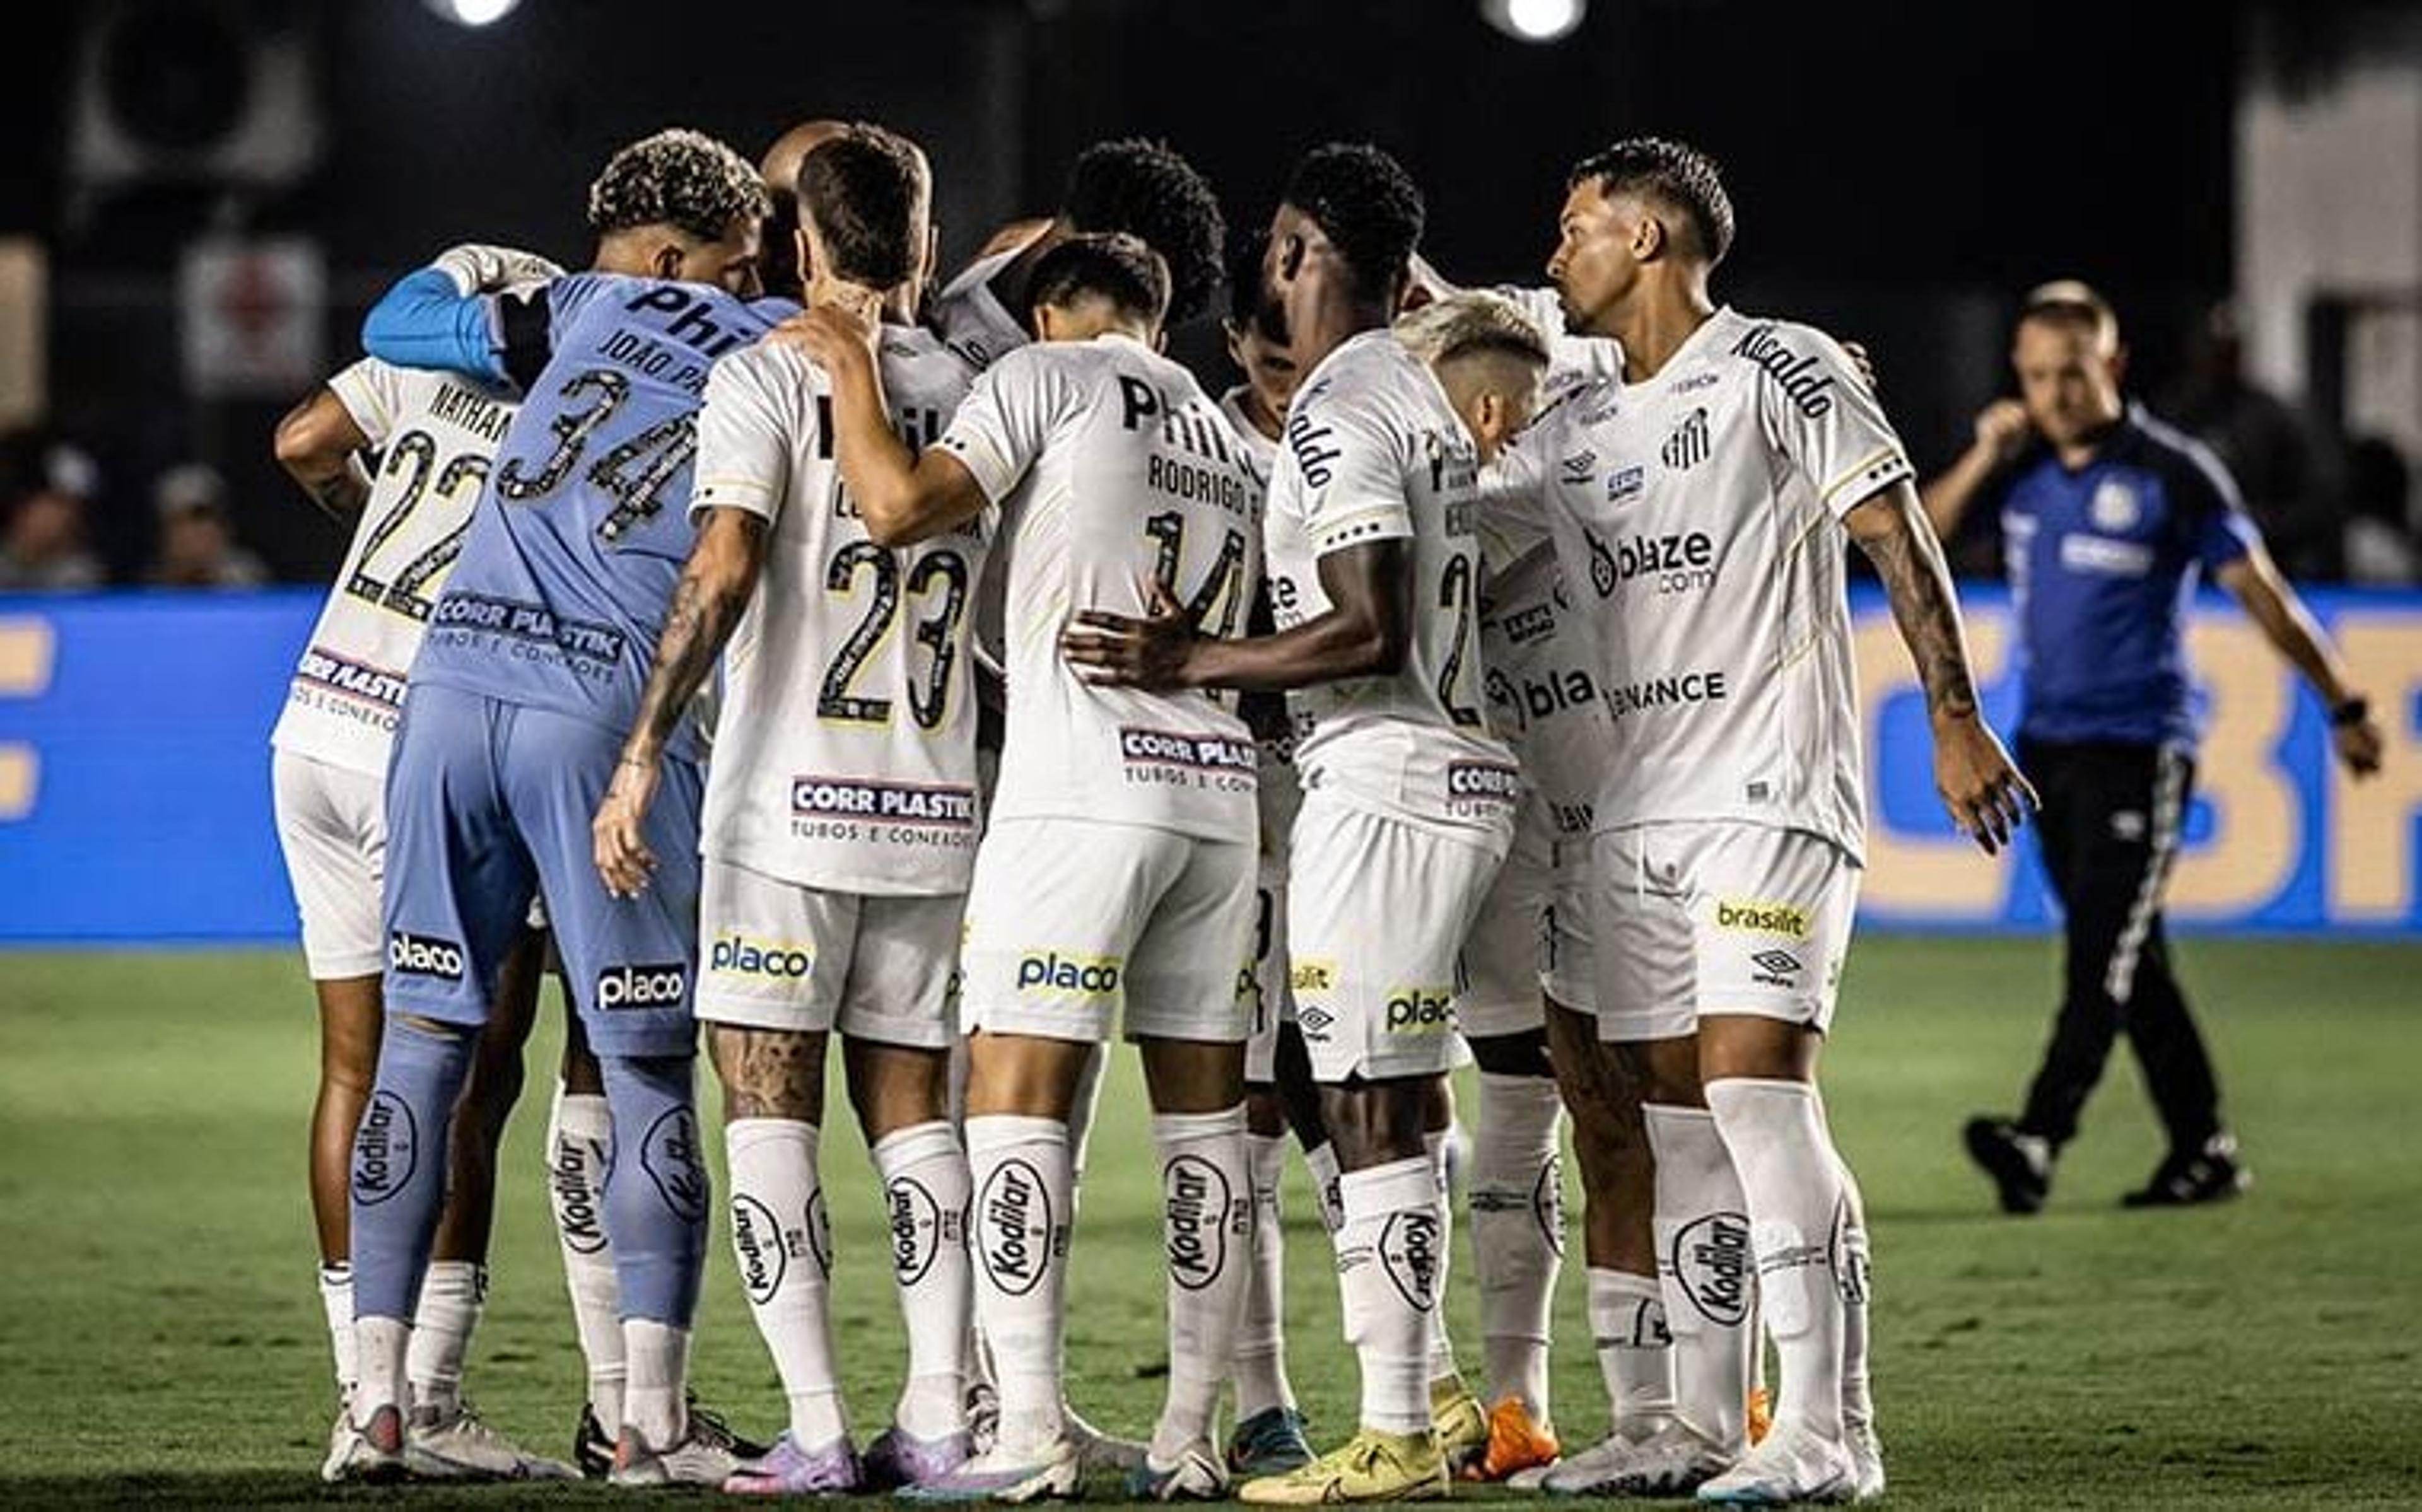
<point>1373,451</point>
<point>1696,519</point>
<point>1282,788</point>
<point>1112,469</point>
<point>1542,687</point>
<point>970,318</point>
<point>435,433</point>
<point>844,751</point>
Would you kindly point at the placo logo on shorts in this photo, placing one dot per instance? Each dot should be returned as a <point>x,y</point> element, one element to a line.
<point>642,987</point>
<point>419,955</point>
<point>1761,917</point>
<point>1712,1261</point>
<point>670,1156</point>
<point>1068,975</point>
<point>1014,1228</point>
<point>1408,1251</point>
<point>1421,1010</point>
<point>737,955</point>
<point>919,1229</point>
<point>386,1150</point>
<point>1197,1201</point>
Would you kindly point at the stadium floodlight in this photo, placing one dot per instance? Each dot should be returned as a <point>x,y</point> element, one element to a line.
<point>474,12</point>
<point>1535,20</point>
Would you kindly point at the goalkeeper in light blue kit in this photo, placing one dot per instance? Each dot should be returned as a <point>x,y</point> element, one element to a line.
<point>532,669</point>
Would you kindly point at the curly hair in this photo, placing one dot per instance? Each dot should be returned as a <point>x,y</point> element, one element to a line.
<point>678,178</point>
<point>1675,174</point>
<point>1366,202</point>
<point>1146,189</point>
<point>1118,267</point>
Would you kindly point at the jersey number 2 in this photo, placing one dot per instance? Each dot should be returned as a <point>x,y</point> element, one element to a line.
<point>943,569</point>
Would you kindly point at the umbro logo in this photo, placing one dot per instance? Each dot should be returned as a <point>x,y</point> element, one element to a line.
<point>1577,467</point>
<point>1315,1023</point>
<point>1687,447</point>
<point>1776,968</point>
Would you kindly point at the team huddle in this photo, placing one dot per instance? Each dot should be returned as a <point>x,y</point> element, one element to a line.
<point>775,642</point>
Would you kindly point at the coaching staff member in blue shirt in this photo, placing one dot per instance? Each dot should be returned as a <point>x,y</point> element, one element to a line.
<point>2108,516</point>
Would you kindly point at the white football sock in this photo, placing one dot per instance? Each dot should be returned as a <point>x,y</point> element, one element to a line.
<point>1443,1372</point>
<point>1025,1182</point>
<point>336,1302</point>
<point>655,1395</point>
<point>580,1145</point>
<point>784,1249</point>
<point>1207,1229</point>
<point>1635,1353</point>
<point>1706,1270</point>
<point>1391,1265</point>
<point>925,1175</point>
<point>1086,1098</point>
<point>453,1293</point>
<point>1517,1231</point>
<point>380,1345</point>
<point>1794,1184</point>
<point>1852,1275</point>
<point>1261,1373</point>
<point>1321,1161</point>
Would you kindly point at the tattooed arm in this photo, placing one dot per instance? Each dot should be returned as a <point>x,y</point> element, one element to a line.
<point>320,446</point>
<point>714,586</point>
<point>1987,797</point>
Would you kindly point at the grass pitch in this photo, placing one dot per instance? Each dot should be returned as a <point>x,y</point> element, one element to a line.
<point>160,1335</point>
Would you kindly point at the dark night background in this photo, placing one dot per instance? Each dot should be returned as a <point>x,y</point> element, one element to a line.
<point>1900,171</point>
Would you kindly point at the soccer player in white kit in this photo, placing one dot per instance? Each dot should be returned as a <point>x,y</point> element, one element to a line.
<point>840,821</point>
<point>1116,879</point>
<point>433,434</point>
<point>1409,797</point>
<point>1692,504</point>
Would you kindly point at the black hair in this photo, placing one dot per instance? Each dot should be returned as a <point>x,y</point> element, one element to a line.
<point>1146,189</point>
<point>863,189</point>
<point>1674,173</point>
<point>678,178</point>
<point>1246,252</point>
<point>1118,267</point>
<point>1366,202</point>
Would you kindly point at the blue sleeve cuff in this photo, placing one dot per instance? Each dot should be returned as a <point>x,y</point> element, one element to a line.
<point>425,321</point>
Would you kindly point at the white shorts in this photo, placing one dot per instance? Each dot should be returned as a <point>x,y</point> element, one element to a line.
<point>1507,949</point>
<point>1377,910</point>
<point>331,826</point>
<point>1074,926</point>
<point>1714,917</point>
<point>776,955</point>
<point>1272,996</point>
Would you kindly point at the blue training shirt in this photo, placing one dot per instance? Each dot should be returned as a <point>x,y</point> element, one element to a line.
<point>581,530</point>
<point>2102,564</point>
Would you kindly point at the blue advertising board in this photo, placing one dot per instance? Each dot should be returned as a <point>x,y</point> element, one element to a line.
<point>134,792</point>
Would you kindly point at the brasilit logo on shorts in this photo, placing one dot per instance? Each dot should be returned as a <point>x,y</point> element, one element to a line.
<point>1754,915</point>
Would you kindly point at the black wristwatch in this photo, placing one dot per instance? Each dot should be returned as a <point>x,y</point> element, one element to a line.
<point>2353,711</point>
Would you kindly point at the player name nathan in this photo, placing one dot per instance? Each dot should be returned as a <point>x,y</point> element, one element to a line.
<point>883,802</point>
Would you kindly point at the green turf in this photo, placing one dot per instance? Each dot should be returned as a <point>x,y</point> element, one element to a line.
<point>160,1336</point>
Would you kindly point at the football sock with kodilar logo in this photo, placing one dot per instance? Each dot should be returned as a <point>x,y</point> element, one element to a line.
<point>925,1184</point>
<point>1024,1186</point>
<point>1261,1331</point>
<point>656,1201</point>
<point>1705,1267</point>
<point>580,1150</point>
<point>1442,1366</point>
<point>1793,1181</point>
<point>1517,1231</point>
<point>399,1184</point>
<point>1391,1271</point>
<point>1206,1224</point>
<point>1635,1350</point>
<point>783,1248</point>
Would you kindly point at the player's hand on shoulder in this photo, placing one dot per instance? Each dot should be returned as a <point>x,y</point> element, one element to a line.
<point>1979,784</point>
<point>617,832</point>
<point>2002,429</point>
<point>829,334</point>
<point>1863,362</point>
<point>2359,743</point>
<point>1122,651</point>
